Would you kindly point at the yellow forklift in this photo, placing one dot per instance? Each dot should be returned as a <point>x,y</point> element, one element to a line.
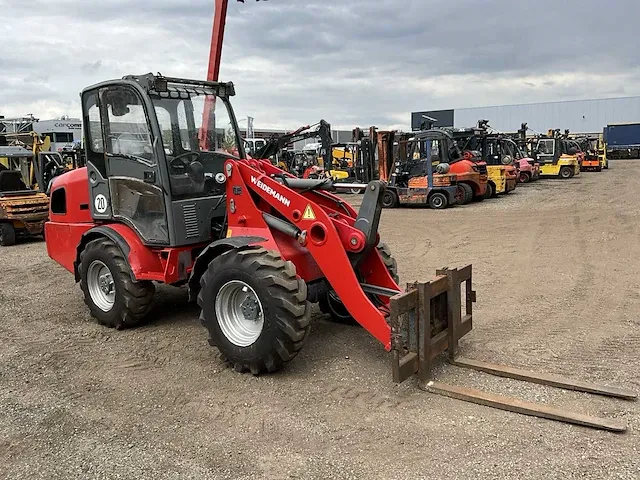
<point>557,157</point>
<point>601,151</point>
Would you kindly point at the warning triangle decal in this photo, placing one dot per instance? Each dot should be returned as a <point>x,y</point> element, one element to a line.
<point>308,213</point>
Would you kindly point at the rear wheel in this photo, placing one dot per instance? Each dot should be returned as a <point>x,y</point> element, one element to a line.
<point>438,201</point>
<point>355,191</point>
<point>566,172</point>
<point>389,199</point>
<point>524,177</point>
<point>113,298</point>
<point>255,309</point>
<point>7,235</point>
<point>331,304</point>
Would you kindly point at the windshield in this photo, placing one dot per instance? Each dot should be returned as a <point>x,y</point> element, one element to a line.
<point>510,148</point>
<point>193,160</point>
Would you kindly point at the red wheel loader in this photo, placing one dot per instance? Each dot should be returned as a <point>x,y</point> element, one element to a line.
<point>255,244</point>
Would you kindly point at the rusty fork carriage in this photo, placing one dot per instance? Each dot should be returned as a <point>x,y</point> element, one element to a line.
<point>428,320</point>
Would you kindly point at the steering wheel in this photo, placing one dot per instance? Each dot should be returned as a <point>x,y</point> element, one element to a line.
<point>193,168</point>
<point>181,161</point>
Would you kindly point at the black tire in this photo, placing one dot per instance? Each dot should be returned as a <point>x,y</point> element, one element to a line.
<point>566,172</point>
<point>468,192</point>
<point>331,304</point>
<point>389,199</point>
<point>132,299</point>
<point>438,201</point>
<point>525,177</point>
<point>598,169</point>
<point>490,191</point>
<point>389,261</point>
<point>460,196</point>
<point>7,235</point>
<point>283,298</point>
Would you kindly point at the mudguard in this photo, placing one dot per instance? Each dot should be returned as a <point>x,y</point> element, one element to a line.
<point>144,263</point>
<point>213,250</point>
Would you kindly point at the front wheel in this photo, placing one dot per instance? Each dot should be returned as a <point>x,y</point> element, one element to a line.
<point>490,191</point>
<point>255,309</point>
<point>389,199</point>
<point>438,201</point>
<point>113,297</point>
<point>7,235</point>
<point>331,304</point>
<point>524,177</point>
<point>566,172</point>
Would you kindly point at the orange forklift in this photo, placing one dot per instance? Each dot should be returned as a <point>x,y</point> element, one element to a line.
<point>479,143</point>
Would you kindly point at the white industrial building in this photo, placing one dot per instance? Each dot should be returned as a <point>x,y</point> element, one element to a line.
<point>579,116</point>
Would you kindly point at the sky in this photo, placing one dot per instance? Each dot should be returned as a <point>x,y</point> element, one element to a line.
<point>351,62</point>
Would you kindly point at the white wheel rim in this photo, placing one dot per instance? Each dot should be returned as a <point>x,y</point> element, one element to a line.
<point>239,313</point>
<point>102,288</point>
<point>437,201</point>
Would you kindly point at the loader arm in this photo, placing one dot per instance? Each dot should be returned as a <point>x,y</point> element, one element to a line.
<point>325,229</point>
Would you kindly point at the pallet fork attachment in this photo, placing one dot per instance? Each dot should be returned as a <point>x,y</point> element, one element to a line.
<point>427,320</point>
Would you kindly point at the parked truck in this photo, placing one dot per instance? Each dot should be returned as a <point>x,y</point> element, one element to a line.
<point>622,141</point>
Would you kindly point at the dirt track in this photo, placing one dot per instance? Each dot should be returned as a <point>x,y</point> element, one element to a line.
<point>556,271</point>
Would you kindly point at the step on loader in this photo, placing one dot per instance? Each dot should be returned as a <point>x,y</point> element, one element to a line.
<point>179,203</point>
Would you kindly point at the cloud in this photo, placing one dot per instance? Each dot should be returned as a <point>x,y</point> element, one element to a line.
<point>357,62</point>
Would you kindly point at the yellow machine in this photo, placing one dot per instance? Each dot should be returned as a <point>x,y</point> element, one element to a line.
<point>601,150</point>
<point>555,157</point>
<point>502,178</point>
<point>23,210</point>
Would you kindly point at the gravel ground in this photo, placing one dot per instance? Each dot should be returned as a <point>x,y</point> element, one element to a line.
<point>555,268</point>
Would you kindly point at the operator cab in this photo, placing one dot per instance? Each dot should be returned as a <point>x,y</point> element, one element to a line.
<point>156,148</point>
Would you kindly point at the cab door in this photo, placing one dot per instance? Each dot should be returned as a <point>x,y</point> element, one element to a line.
<point>124,179</point>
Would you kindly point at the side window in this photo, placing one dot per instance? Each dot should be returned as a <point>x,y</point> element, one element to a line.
<point>95,123</point>
<point>127,129</point>
<point>164,122</point>
<point>546,146</point>
<point>59,201</point>
<point>189,143</point>
<point>93,132</point>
